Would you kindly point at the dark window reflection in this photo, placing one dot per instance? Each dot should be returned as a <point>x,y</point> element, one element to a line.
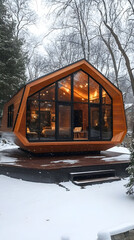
<point>35,96</point>
<point>106,122</point>
<point>80,130</point>
<point>105,98</point>
<point>10,116</point>
<point>47,120</point>
<point>64,122</point>
<point>95,122</point>
<point>33,120</point>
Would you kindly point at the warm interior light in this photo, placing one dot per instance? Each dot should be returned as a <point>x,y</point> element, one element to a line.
<point>94,96</point>
<point>95,93</point>
<point>28,130</point>
<point>103,93</point>
<point>34,115</point>
<point>80,94</point>
<point>105,119</point>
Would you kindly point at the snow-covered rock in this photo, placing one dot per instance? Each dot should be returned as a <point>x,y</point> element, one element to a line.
<point>106,235</point>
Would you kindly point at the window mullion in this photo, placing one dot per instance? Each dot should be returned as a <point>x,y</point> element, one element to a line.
<point>56,111</point>
<point>39,117</point>
<point>100,111</point>
<point>89,128</point>
<point>72,109</point>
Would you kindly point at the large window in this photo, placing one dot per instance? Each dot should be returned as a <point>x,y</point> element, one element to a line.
<point>73,108</point>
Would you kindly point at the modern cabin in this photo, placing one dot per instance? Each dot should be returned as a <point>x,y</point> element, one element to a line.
<point>73,109</point>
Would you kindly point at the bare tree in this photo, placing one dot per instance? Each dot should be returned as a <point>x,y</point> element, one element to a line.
<point>112,23</point>
<point>75,15</point>
<point>22,14</point>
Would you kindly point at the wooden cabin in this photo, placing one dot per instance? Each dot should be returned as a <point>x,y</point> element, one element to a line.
<point>72,109</point>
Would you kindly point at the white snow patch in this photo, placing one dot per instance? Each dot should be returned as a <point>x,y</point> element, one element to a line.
<point>6,144</point>
<point>97,171</point>
<point>68,161</point>
<point>95,156</point>
<point>123,157</point>
<point>106,235</point>
<point>119,150</point>
<point>7,160</point>
<point>121,229</point>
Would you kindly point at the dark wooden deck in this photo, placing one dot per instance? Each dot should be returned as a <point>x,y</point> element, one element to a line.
<point>56,168</point>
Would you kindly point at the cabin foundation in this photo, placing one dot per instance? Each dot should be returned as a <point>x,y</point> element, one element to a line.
<point>61,168</point>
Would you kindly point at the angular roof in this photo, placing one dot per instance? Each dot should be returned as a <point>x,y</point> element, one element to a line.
<point>67,70</point>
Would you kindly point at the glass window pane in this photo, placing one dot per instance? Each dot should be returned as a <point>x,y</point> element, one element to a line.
<point>64,89</point>
<point>64,122</point>
<point>94,91</point>
<point>32,119</point>
<point>80,130</point>
<point>48,93</point>
<point>106,122</point>
<point>105,98</point>
<point>94,121</point>
<point>80,87</point>
<point>47,120</point>
<point>35,96</point>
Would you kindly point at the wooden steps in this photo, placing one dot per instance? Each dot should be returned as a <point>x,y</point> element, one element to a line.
<point>93,177</point>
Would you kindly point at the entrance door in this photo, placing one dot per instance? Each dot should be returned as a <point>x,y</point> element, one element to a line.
<point>64,121</point>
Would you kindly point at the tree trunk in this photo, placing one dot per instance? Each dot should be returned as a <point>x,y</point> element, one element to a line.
<point>127,61</point>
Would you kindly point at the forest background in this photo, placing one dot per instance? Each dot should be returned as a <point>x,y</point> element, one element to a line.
<point>38,37</point>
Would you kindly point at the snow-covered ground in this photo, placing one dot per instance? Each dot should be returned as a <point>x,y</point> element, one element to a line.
<point>6,144</point>
<point>119,150</point>
<point>38,211</point>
